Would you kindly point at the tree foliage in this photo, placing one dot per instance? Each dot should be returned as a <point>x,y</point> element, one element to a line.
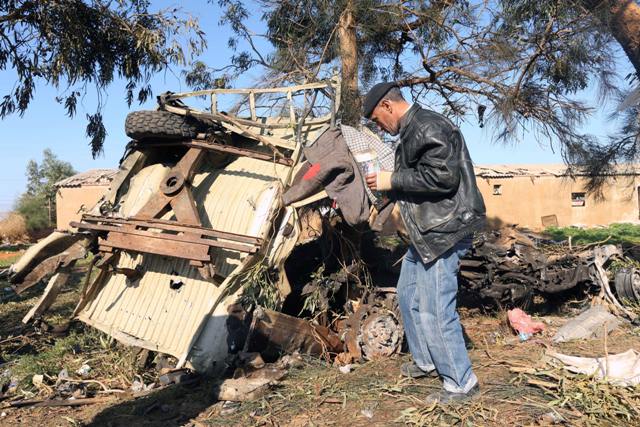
<point>38,203</point>
<point>72,44</point>
<point>513,65</point>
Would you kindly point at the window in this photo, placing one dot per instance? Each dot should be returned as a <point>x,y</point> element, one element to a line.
<point>497,190</point>
<point>578,199</point>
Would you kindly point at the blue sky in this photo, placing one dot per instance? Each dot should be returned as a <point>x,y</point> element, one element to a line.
<point>45,124</point>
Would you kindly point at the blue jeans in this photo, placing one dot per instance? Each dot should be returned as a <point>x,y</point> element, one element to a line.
<point>427,297</point>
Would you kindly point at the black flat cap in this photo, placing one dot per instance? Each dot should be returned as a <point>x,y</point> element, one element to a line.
<point>375,94</point>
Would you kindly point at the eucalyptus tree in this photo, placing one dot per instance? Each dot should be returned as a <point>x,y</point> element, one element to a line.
<point>75,45</point>
<point>508,64</point>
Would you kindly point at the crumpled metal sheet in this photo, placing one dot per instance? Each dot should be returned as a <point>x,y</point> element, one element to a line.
<point>171,308</point>
<point>272,333</point>
<point>508,266</point>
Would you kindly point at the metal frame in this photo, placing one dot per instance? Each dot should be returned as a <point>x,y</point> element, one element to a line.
<point>185,237</point>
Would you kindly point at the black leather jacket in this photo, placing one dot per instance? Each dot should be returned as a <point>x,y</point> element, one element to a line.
<point>434,183</point>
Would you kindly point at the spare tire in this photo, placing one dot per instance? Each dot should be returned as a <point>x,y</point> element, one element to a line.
<point>142,125</point>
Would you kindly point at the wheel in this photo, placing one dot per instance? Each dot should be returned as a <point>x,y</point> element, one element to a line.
<point>142,125</point>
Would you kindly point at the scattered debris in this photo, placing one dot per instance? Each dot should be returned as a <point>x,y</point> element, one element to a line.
<point>368,413</point>
<point>137,386</point>
<point>619,369</point>
<point>252,360</point>
<point>37,380</point>
<point>37,403</point>
<point>345,369</point>
<point>589,324</point>
<point>510,266</point>
<point>84,370</point>
<point>177,376</point>
<point>291,361</point>
<point>229,407</point>
<point>247,388</point>
<point>272,333</point>
<point>522,323</point>
<point>627,284</point>
<point>552,418</point>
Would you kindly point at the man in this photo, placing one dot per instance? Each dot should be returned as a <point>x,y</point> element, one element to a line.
<point>441,206</point>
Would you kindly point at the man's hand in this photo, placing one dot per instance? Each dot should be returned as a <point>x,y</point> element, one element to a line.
<point>380,181</point>
<point>372,181</point>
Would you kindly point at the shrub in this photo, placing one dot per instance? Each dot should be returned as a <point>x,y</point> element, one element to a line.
<point>13,229</point>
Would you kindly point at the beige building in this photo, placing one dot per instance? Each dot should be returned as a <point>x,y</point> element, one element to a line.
<point>79,193</point>
<point>538,196</point>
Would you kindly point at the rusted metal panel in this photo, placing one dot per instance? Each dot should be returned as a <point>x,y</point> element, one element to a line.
<point>273,333</point>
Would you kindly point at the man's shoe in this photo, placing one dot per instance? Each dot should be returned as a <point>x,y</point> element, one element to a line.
<point>411,370</point>
<point>444,397</point>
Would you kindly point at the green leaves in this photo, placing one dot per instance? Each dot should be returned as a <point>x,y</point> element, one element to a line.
<point>37,204</point>
<point>75,44</point>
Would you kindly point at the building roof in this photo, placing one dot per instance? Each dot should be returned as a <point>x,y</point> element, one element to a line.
<point>98,177</point>
<point>540,170</point>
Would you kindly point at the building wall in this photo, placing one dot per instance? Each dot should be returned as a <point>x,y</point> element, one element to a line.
<point>69,200</point>
<point>524,200</point>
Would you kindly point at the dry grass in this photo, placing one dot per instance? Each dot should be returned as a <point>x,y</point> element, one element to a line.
<point>516,387</point>
<point>13,229</point>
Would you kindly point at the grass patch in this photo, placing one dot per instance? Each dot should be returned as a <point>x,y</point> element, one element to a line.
<point>593,401</point>
<point>615,233</point>
<point>111,362</point>
<point>50,359</point>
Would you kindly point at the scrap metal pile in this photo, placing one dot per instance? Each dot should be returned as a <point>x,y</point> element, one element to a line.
<point>509,267</point>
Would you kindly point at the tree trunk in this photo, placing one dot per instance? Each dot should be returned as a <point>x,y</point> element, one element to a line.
<point>622,18</point>
<point>350,101</point>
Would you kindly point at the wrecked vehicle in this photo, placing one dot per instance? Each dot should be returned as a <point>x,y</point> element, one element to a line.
<point>192,222</point>
<point>509,267</point>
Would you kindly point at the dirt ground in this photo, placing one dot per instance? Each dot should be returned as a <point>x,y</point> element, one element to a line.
<point>517,388</point>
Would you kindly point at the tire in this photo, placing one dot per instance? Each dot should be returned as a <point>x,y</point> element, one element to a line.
<point>142,125</point>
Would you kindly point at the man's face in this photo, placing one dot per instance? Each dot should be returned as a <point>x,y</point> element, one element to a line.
<point>384,117</point>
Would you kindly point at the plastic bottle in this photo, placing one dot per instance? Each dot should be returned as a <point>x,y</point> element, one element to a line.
<point>369,164</point>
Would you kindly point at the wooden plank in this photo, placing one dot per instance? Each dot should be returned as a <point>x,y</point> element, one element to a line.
<point>152,245</point>
<point>252,105</point>
<point>292,111</point>
<point>162,238</point>
<point>307,86</point>
<point>173,226</point>
<point>242,152</point>
<point>246,122</point>
<point>258,124</point>
<point>214,103</point>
